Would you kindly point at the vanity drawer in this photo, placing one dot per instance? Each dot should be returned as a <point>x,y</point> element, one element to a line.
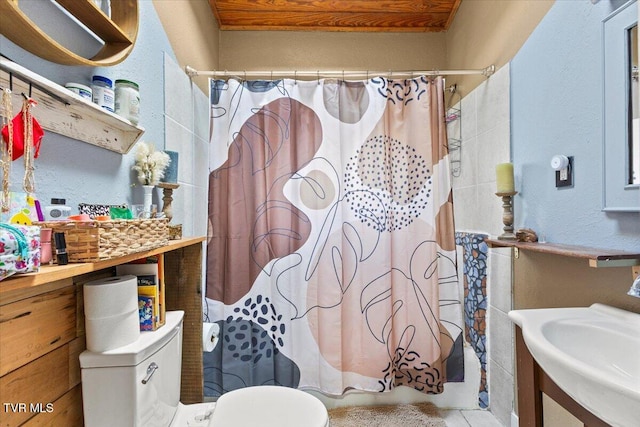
<point>34,326</point>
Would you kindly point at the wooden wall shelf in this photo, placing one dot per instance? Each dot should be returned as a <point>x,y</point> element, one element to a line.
<point>596,257</point>
<point>117,32</point>
<point>63,112</point>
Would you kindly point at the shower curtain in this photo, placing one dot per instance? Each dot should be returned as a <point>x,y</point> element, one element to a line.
<point>331,252</point>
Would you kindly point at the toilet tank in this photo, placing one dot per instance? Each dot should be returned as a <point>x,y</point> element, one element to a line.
<point>113,392</point>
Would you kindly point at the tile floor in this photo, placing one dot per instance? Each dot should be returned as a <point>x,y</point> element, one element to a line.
<point>470,418</point>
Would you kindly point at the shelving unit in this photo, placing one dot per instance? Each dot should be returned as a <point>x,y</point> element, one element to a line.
<point>63,112</point>
<point>455,144</point>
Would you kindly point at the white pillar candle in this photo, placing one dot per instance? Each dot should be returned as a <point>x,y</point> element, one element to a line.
<point>504,178</point>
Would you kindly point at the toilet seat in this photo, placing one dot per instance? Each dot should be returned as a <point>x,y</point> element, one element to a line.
<point>269,406</point>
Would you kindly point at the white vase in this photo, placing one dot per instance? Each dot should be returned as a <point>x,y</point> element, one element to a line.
<point>148,196</point>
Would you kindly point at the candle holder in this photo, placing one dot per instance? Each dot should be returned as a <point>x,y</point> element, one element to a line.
<point>507,215</point>
<point>167,193</point>
<point>175,231</point>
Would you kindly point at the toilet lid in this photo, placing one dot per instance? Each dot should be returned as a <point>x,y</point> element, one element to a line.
<point>269,406</point>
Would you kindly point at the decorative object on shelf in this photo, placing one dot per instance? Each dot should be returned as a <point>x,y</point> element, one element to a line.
<point>507,215</point>
<point>506,189</point>
<point>148,197</point>
<point>7,149</point>
<point>171,174</point>
<point>92,241</point>
<point>504,178</point>
<point>526,235</point>
<point>22,136</point>
<point>175,231</point>
<point>20,127</point>
<point>167,199</point>
<point>150,165</point>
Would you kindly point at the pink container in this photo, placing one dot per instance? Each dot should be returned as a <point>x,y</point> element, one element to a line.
<point>45,245</point>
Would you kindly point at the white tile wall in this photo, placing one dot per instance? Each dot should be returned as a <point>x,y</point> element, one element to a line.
<point>502,393</point>
<point>501,342</point>
<point>187,132</point>
<point>486,142</point>
<point>500,293</point>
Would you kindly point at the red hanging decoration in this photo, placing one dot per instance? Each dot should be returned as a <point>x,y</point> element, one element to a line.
<point>18,135</point>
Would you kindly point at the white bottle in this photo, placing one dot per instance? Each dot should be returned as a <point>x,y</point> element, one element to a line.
<point>57,211</point>
<point>103,95</point>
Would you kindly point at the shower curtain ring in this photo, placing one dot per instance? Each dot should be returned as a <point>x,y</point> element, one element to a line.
<point>271,75</point>
<point>245,75</point>
<point>367,76</point>
<point>318,75</point>
<point>343,76</point>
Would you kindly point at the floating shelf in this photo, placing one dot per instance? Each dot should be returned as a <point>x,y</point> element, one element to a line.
<point>63,112</point>
<point>118,32</point>
<point>596,257</point>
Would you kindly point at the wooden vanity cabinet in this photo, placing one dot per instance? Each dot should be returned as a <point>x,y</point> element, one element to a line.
<point>42,334</point>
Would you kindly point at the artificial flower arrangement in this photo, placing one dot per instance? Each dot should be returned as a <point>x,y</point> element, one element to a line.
<point>150,164</point>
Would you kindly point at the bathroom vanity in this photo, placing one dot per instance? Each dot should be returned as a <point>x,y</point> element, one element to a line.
<point>547,275</point>
<point>42,333</point>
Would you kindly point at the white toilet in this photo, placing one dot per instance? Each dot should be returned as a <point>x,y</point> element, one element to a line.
<point>138,385</point>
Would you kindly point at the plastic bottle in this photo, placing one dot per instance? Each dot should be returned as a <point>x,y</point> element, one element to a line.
<point>57,210</point>
<point>80,89</point>
<point>103,94</point>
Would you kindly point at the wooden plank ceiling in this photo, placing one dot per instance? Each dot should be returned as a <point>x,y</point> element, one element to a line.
<point>335,15</point>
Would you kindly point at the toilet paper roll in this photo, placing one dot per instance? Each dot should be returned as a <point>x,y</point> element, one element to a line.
<point>112,332</point>
<point>110,297</point>
<point>210,336</point>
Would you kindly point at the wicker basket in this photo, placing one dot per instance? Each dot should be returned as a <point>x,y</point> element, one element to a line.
<point>91,241</point>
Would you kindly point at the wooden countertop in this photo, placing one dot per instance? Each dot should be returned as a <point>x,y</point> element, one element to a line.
<point>596,257</point>
<point>52,273</point>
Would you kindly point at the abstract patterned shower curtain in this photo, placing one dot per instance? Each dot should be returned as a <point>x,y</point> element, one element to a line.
<point>331,257</point>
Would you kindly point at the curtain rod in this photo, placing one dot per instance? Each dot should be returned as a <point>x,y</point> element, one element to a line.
<point>191,72</point>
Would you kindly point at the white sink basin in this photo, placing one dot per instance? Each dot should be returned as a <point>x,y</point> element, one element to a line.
<point>592,353</point>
